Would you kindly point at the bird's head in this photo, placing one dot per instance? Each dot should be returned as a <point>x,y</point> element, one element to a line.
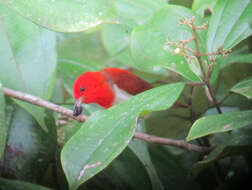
<point>92,87</point>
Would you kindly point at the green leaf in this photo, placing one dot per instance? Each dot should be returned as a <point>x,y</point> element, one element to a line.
<point>238,142</point>
<point>137,12</point>
<point>29,149</point>
<point>184,3</point>
<point>239,58</point>
<point>219,123</point>
<point>116,38</point>
<point>140,149</point>
<point>124,173</point>
<point>200,6</point>
<point>244,88</point>
<point>106,133</point>
<point>148,42</point>
<point>131,171</point>
<point>230,23</point>
<point>171,172</point>
<point>65,15</point>
<point>225,61</point>
<point>8,184</point>
<point>28,59</point>
<point>3,129</point>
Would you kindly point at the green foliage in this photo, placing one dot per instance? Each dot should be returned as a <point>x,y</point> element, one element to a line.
<point>29,149</point>
<point>229,24</point>
<point>239,142</point>
<point>133,13</point>
<point>100,139</point>
<point>140,149</point>
<point>244,88</point>
<point>56,15</point>
<point>19,185</point>
<point>219,123</point>
<point>45,45</point>
<point>28,59</point>
<point>240,58</point>
<point>148,42</point>
<point>3,129</point>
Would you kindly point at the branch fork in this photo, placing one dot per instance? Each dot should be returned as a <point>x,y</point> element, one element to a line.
<point>189,53</point>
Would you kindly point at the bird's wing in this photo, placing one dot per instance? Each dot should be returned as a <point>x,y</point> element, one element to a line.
<point>126,80</point>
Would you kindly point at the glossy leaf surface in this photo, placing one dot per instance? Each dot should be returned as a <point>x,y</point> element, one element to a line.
<point>106,133</point>
<point>219,123</point>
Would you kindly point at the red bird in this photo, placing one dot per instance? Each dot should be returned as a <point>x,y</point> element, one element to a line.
<point>106,87</point>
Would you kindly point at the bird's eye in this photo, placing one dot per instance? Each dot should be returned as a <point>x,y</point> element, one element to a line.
<point>82,89</point>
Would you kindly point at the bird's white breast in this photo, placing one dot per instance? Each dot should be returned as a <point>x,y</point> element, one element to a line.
<point>120,95</point>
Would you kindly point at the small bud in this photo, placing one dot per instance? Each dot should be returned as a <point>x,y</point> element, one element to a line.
<point>177,51</point>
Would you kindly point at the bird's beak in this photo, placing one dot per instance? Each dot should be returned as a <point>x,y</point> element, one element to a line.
<point>77,110</point>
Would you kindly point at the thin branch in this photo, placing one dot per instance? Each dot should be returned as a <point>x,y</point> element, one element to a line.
<point>180,105</point>
<point>42,103</point>
<point>198,56</point>
<point>82,118</point>
<point>197,52</point>
<point>213,97</point>
<point>172,142</point>
<point>195,83</point>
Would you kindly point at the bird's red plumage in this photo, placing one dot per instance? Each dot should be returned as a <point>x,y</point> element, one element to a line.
<point>98,85</point>
<point>126,80</point>
<point>97,90</point>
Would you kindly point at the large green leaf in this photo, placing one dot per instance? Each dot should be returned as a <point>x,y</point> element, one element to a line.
<point>230,23</point>
<point>225,61</point>
<point>106,133</point>
<point>137,12</point>
<point>28,59</point>
<point>239,58</point>
<point>29,149</point>
<point>65,15</point>
<point>148,42</point>
<point>7,184</point>
<point>3,129</point>
<point>244,88</point>
<point>219,123</point>
<point>116,38</point>
<point>127,171</point>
